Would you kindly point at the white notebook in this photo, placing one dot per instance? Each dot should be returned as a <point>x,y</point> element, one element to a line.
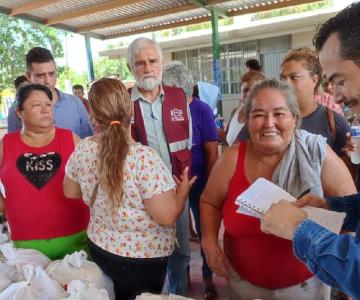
<point>257,199</point>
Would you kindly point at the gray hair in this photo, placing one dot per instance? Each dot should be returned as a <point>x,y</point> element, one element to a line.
<point>136,45</point>
<point>178,75</point>
<point>283,87</point>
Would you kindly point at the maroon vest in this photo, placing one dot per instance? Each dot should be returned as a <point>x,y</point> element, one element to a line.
<point>176,127</point>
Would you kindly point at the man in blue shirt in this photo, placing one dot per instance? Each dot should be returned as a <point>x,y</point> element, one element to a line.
<point>69,112</point>
<point>335,259</point>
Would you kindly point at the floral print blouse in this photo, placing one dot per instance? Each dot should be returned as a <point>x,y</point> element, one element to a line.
<point>131,232</point>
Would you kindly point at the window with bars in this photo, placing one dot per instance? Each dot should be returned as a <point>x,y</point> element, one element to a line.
<point>233,57</point>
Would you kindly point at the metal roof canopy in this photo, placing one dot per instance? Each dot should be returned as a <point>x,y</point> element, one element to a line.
<point>104,19</point>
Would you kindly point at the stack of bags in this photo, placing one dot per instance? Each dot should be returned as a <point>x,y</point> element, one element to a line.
<point>28,274</point>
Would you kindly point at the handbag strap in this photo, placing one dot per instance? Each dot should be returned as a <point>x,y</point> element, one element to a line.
<point>331,121</point>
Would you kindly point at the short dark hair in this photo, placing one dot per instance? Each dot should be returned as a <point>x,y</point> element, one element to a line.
<point>253,64</point>
<point>346,25</point>
<point>78,87</point>
<point>25,91</point>
<point>38,55</point>
<point>19,80</point>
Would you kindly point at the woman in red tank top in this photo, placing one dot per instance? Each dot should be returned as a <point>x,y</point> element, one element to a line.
<point>32,168</point>
<point>258,265</point>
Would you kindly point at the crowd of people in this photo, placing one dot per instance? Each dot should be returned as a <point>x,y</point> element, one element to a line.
<point>118,174</point>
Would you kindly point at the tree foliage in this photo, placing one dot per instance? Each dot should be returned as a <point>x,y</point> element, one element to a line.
<point>65,73</point>
<point>104,67</point>
<point>292,10</point>
<point>17,38</point>
<point>205,25</point>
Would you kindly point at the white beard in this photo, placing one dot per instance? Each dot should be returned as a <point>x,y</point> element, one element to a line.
<point>148,84</point>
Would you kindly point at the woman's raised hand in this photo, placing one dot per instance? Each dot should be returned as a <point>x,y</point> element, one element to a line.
<point>183,184</point>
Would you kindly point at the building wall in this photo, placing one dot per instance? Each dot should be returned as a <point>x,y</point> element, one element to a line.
<point>302,39</point>
<point>167,58</point>
<point>298,40</point>
<point>269,51</point>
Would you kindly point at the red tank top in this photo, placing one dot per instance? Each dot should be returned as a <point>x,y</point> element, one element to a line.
<point>264,260</point>
<point>36,207</point>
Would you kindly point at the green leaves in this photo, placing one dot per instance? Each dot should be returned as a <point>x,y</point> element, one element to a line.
<point>17,37</point>
<point>111,67</point>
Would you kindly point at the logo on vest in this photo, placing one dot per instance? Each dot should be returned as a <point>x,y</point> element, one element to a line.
<point>177,115</point>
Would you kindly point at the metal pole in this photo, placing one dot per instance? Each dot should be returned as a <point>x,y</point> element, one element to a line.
<point>216,55</point>
<point>91,73</point>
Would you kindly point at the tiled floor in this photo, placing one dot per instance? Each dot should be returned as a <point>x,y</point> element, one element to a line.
<point>196,287</point>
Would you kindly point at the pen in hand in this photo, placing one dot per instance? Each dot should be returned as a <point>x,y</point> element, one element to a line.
<point>307,191</point>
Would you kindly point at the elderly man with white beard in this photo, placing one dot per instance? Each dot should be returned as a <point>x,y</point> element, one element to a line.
<point>162,121</point>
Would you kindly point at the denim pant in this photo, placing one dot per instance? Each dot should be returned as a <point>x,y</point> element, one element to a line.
<point>194,199</point>
<point>311,289</point>
<point>131,276</point>
<point>180,259</point>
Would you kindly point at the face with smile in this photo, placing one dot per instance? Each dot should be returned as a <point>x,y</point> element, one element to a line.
<point>37,111</point>
<point>43,73</point>
<point>147,68</point>
<point>342,72</point>
<point>271,123</point>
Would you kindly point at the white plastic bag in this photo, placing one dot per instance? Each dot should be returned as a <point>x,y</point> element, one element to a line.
<point>11,272</point>
<point>4,281</point>
<point>21,257</point>
<point>149,296</point>
<point>79,291</point>
<point>4,236</point>
<point>19,291</point>
<point>77,267</point>
<point>37,286</point>
<point>176,297</point>
<point>15,259</point>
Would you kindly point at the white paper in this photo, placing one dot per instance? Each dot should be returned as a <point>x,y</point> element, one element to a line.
<point>261,194</point>
<point>331,220</point>
<point>258,198</point>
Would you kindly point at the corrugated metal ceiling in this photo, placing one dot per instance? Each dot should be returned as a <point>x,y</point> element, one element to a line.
<point>109,19</point>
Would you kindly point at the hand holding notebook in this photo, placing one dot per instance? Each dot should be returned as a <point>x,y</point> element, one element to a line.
<point>258,198</point>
